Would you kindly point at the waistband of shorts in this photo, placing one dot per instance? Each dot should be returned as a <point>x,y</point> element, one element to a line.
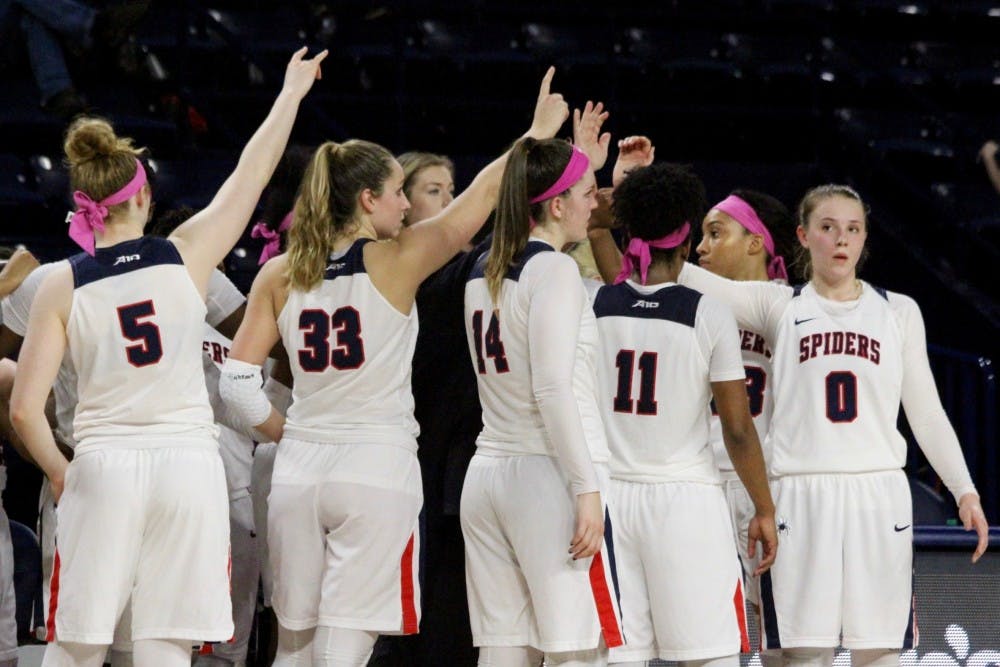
<point>136,443</point>
<point>392,437</point>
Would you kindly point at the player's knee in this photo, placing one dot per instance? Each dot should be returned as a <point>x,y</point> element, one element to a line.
<point>874,657</point>
<point>588,658</point>
<point>509,656</point>
<point>807,657</point>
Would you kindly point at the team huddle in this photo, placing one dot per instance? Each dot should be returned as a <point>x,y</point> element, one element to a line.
<point>655,452</point>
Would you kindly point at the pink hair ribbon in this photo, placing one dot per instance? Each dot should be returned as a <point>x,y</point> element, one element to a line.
<point>637,254</point>
<point>272,247</point>
<point>743,213</point>
<point>90,215</point>
<point>577,166</point>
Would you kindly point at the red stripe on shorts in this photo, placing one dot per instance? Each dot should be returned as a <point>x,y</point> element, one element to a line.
<point>50,627</point>
<point>605,605</point>
<point>741,617</point>
<point>410,625</point>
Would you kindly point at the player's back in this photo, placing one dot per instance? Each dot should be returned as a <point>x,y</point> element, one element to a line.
<point>501,353</point>
<point>134,332</point>
<point>351,352</point>
<point>657,363</point>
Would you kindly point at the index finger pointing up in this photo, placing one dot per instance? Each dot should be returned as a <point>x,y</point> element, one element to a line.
<point>546,82</point>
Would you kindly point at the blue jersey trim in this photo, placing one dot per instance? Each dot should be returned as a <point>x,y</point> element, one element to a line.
<point>674,303</point>
<point>122,258</point>
<point>352,262</point>
<point>517,264</point>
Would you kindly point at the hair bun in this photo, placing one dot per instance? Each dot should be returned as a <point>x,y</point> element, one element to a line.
<point>91,138</point>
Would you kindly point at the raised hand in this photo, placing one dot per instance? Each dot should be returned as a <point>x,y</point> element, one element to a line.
<point>602,217</point>
<point>633,152</point>
<point>587,133</point>
<point>988,150</point>
<point>301,72</point>
<point>551,110</point>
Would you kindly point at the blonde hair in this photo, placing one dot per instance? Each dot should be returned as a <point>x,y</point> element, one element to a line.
<point>326,207</point>
<point>414,162</point>
<point>532,167</point>
<point>810,200</point>
<point>100,162</point>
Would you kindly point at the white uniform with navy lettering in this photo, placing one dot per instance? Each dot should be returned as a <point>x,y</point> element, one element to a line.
<point>682,593</point>
<point>843,504</point>
<point>518,506</point>
<point>346,488</point>
<point>222,299</point>
<point>144,432</point>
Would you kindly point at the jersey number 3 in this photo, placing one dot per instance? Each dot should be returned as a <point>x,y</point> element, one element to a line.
<point>149,349</point>
<point>317,325</point>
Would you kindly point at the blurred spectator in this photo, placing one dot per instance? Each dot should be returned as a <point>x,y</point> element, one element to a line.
<point>43,22</point>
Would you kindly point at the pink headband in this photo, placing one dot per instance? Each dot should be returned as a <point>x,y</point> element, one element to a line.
<point>637,253</point>
<point>89,215</point>
<point>272,247</point>
<point>743,213</point>
<point>574,171</point>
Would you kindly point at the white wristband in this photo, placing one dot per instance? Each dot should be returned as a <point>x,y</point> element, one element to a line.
<point>241,388</point>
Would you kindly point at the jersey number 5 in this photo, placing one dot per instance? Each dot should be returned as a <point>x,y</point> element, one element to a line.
<point>491,341</point>
<point>625,361</point>
<point>150,349</point>
<point>317,325</point>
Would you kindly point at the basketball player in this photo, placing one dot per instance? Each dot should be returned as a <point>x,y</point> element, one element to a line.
<point>666,350</point>
<point>346,493</point>
<point>846,354</point>
<point>143,428</point>
<point>537,568</point>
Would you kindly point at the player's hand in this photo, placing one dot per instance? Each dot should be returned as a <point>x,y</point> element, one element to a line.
<point>762,529</point>
<point>988,150</point>
<point>301,72</point>
<point>970,511</point>
<point>551,110</point>
<point>587,133</point>
<point>20,264</point>
<point>589,526</point>
<point>601,217</point>
<point>633,152</point>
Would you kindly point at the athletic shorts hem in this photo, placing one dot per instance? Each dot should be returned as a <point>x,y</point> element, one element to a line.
<point>503,641</point>
<point>84,637</point>
<point>572,645</point>
<point>202,635</point>
<point>895,644</point>
<point>380,626</point>
<point>700,653</point>
<point>297,624</point>
<point>808,642</point>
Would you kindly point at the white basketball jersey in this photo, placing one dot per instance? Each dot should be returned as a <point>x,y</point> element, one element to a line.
<point>351,353</point>
<point>134,333</point>
<point>500,352</point>
<point>662,346</point>
<point>757,366</point>
<point>235,446</point>
<point>838,376</point>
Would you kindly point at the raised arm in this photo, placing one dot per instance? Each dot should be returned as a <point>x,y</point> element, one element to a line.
<point>421,249</point>
<point>988,153</point>
<point>206,238</point>
<point>41,354</point>
<point>930,425</point>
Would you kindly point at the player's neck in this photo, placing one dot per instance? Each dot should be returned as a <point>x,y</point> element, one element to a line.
<point>659,273</point>
<point>364,229</point>
<point>754,271</point>
<point>844,289</point>
<point>118,231</point>
<point>551,234</point>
